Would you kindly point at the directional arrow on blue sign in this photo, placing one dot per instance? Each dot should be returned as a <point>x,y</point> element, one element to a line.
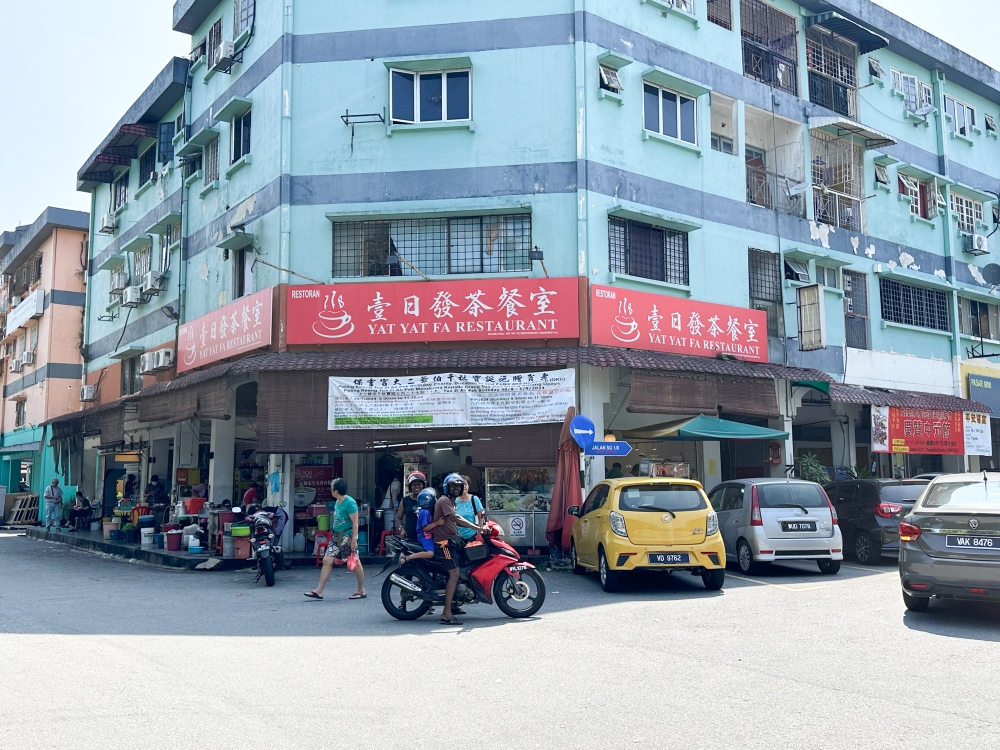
<point>616,448</point>
<point>582,430</point>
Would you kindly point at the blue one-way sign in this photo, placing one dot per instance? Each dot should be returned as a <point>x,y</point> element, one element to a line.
<point>616,448</point>
<point>582,430</point>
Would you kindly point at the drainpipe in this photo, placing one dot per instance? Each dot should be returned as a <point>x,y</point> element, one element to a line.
<point>580,50</point>
<point>86,281</point>
<point>284,251</point>
<point>182,263</point>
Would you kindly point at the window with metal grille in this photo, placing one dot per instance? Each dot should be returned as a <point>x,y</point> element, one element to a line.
<point>765,287</point>
<point>466,244</point>
<point>119,191</point>
<point>35,269</point>
<point>961,118</point>
<point>914,305</point>
<point>770,46</point>
<point>192,164</point>
<point>20,412</point>
<point>967,211</point>
<point>979,319</point>
<point>211,161</point>
<point>720,12</point>
<point>669,113</point>
<point>241,137</point>
<point>647,251</point>
<point>856,309</point>
<point>214,40</point>
<point>142,263</point>
<point>131,376</point>
<point>147,165</point>
<point>440,96</point>
<point>833,71</point>
<point>243,12</point>
<point>838,169</point>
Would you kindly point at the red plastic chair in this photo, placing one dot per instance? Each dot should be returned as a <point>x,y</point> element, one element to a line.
<point>381,541</point>
<point>322,541</point>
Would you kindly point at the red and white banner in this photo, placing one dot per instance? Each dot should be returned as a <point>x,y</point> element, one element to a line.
<point>419,311</point>
<point>240,326</point>
<point>899,429</point>
<point>659,323</point>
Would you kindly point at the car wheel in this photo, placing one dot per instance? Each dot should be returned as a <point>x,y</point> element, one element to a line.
<point>916,603</point>
<point>866,549</point>
<point>830,567</point>
<point>577,568</point>
<point>713,579</point>
<point>610,579</point>
<point>744,558</point>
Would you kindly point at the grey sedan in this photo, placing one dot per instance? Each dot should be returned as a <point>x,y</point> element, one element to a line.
<point>950,542</point>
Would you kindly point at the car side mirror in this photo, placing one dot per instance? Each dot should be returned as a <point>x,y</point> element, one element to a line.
<point>573,510</point>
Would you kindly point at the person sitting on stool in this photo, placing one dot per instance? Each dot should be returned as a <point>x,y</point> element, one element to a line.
<point>80,514</point>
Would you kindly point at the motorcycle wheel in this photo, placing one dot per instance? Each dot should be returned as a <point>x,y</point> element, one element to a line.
<point>401,609</point>
<point>519,598</point>
<point>267,568</point>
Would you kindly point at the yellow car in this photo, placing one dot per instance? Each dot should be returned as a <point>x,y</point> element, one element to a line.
<point>642,523</point>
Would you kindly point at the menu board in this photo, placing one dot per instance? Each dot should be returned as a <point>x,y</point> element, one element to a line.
<point>450,399</point>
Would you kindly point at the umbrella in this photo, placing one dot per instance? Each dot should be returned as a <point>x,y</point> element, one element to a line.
<point>567,490</point>
<point>704,428</point>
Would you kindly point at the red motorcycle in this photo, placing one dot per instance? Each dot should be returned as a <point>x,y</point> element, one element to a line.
<point>489,570</point>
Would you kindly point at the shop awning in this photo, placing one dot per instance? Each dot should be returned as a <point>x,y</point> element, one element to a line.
<point>845,127</point>
<point>856,394</point>
<point>705,428</point>
<point>661,393</point>
<point>867,40</point>
<point>201,395</point>
<point>22,448</point>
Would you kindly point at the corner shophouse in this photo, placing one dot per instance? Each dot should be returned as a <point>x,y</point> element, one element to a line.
<point>41,315</point>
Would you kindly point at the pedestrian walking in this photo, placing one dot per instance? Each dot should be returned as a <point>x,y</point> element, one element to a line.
<point>53,504</point>
<point>344,542</point>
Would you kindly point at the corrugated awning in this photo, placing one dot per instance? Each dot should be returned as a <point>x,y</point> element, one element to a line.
<point>705,428</point>
<point>856,394</point>
<point>866,39</point>
<point>845,127</point>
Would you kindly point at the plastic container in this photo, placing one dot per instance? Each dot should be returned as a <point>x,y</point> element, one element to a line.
<point>95,525</point>
<point>226,516</point>
<point>157,541</point>
<point>362,539</point>
<point>174,540</point>
<point>193,505</point>
<point>239,530</point>
<point>146,537</point>
<point>170,527</point>
<point>388,518</point>
<point>109,526</point>
<point>194,550</point>
<point>117,536</point>
<point>228,547</point>
<point>298,543</point>
<point>241,547</point>
<point>323,522</point>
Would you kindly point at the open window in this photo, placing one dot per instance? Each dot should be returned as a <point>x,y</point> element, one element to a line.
<point>610,80</point>
<point>434,96</point>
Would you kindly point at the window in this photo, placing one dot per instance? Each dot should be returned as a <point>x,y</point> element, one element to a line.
<point>648,252</point>
<point>656,498</point>
<point>723,144</point>
<point>770,47</point>
<point>167,239</point>
<point>720,12</point>
<point>979,319</point>
<point>797,270</point>
<point>165,144</point>
<point>20,413</point>
<point>991,124</point>
<point>838,169</point>
<point>119,191</point>
<point>131,376</point>
<point>967,211</point>
<point>833,71</point>
<point>211,161</point>
<point>33,339</point>
<point>198,51</point>
<point>214,41</point>
<point>961,117</point>
<point>35,268</point>
<point>243,14</point>
<point>243,273</point>
<point>875,68</point>
<point>669,113</point>
<point>142,263</point>
<point>881,174</point>
<point>466,244</point>
<point>610,80</point>
<point>179,123</point>
<point>241,137</point>
<point>442,96</point>
<point>147,165</point>
<point>916,93</point>
<point>192,164</point>
<point>765,287</point>
<point>827,277</point>
<point>914,305</point>
<point>723,114</point>
<point>596,499</point>
<point>916,191</point>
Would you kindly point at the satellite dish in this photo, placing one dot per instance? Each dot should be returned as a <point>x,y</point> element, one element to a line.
<point>991,273</point>
<point>925,110</point>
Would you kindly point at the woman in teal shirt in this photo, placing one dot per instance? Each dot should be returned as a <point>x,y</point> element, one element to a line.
<point>470,508</point>
<point>344,542</point>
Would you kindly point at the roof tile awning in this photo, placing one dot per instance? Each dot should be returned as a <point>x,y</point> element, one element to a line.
<point>867,40</point>
<point>856,394</point>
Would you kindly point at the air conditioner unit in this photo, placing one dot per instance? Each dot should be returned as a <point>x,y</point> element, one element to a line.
<point>15,364</point>
<point>164,359</point>
<point>28,358</point>
<point>132,297</point>
<point>147,363</point>
<point>224,56</point>
<point>976,244</point>
<point>152,282</point>
<point>848,305</point>
<point>109,223</point>
<point>88,393</point>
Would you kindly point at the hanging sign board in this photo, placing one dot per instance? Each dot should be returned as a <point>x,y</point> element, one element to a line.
<point>239,327</point>
<point>610,448</point>
<point>450,399</point>
<point>897,429</point>
<point>978,435</point>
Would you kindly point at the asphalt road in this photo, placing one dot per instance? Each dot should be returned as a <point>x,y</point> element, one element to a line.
<point>99,653</point>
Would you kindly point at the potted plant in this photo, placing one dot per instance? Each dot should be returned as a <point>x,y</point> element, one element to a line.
<point>131,532</point>
<point>808,467</point>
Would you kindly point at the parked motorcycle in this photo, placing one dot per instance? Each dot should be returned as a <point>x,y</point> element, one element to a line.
<point>264,545</point>
<point>490,570</point>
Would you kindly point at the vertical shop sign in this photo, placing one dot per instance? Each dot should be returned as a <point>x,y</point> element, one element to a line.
<point>978,434</point>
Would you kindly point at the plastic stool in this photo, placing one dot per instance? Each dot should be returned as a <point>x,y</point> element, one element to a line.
<point>381,541</point>
<point>321,541</point>
<point>218,542</point>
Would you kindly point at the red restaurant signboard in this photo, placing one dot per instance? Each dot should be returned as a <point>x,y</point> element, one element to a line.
<point>240,326</point>
<point>897,429</point>
<point>419,311</point>
<point>660,323</point>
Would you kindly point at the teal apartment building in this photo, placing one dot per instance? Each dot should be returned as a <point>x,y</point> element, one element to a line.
<point>820,178</point>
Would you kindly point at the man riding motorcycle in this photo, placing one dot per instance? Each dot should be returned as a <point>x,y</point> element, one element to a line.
<point>444,511</point>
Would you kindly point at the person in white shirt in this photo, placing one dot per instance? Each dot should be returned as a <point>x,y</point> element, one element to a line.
<point>53,504</point>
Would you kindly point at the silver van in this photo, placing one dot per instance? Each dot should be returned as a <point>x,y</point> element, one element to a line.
<point>769,520</point>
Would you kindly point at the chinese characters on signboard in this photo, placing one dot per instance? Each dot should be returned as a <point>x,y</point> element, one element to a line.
<point>898,429</point>
<point>419,311</point>
<point>240,326</point>
<point>450,399</point>
<point>640,320</point>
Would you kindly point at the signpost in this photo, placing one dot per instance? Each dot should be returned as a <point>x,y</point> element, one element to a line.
<point>582,430</point>
<point>616,448</point>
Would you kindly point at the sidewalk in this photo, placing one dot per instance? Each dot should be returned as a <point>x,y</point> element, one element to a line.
<point>93,541</point>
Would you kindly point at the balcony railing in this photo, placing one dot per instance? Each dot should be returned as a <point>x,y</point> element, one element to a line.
<point>832,94</point>
<point>769,67</point>
<point>838,209</point>
<point>775,191</point>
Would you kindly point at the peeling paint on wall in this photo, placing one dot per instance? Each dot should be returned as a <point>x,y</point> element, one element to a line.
<point>821,233</point>
<point>941,274</point>
<point>977,274</point>
<point>855,241</point>
<point>870,251</point>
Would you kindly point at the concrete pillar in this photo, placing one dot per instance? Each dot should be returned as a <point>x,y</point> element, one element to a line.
<point>710,463</point>
<point>223,452</point>
<point>186,445</point>
<point>595,392</point>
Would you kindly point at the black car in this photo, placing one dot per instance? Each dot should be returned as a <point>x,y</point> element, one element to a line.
<point>870,510</point>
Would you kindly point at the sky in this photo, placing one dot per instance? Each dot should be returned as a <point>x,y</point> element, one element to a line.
<point>70,69</point>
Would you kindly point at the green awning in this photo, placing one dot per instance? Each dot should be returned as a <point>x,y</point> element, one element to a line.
<point>704,428</point>
<point>819,385</point>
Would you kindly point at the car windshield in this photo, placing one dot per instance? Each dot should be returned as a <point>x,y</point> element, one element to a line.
<point>653,497</point>
<point>961,497</point>
<point>792,494</point>
<point>902,493</point>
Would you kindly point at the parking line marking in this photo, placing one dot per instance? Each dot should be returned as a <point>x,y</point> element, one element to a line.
<point>870,570</point>
<point>777,585</point>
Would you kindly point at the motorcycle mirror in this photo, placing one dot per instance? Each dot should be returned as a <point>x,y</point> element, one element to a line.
<point>237,510</point>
